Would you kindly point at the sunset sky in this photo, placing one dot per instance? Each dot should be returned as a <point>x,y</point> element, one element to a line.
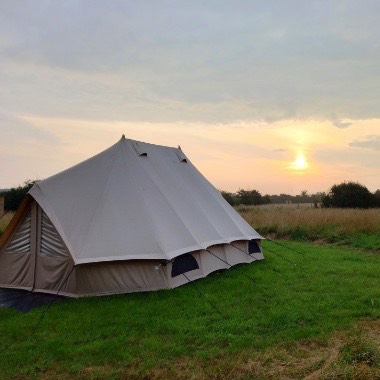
<point>278,96</point>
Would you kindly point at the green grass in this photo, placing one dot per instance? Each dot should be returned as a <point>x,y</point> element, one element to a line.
<point>135,334</point>
<point>361,240</point>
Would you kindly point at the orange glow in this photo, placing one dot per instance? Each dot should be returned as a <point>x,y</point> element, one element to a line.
<point>300,163</point>
<point>284,157</point>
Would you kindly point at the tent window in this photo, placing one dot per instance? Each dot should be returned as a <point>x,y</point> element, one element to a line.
<point>253,247</point>
<point>20,242</point>
<point>184,263</point>
<point>51,242</point>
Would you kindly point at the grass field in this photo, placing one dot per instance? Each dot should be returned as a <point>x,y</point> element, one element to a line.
<point>313,313</point>
<point>318,314</point>
<point>355,227</point>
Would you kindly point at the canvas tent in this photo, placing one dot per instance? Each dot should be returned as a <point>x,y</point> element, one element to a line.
<point>135,217</point>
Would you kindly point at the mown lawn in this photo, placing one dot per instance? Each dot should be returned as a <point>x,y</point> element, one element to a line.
<point>178,334</point>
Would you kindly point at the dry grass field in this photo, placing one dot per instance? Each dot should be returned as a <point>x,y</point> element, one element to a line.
<point>357,227</point>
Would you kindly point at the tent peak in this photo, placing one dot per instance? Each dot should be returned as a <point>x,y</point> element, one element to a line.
<point>122,137</point>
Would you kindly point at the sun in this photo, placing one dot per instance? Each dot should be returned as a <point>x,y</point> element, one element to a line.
<point>300,163</point>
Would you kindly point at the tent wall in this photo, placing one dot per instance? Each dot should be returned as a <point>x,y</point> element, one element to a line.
<point>119,277</point>
<point>221,254</point>
<point>55,275</point>
<point>146,275</point>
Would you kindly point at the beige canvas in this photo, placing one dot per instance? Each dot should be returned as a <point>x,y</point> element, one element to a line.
<point>115,222</point>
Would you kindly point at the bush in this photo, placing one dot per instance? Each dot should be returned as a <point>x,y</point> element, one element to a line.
<point>349,195</point>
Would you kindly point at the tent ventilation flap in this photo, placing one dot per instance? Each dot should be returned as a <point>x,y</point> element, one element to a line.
<point>20,242</point>
<point>51,243</point>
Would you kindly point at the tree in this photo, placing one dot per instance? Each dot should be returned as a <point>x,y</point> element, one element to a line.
<point>265,200</point>
<point>14,196</point>
<point>229,197</point>
<point>349,195</point>
<point>249,197</point>
<point>377,197</point>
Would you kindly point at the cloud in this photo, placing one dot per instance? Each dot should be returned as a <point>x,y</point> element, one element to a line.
<point>341,124</point>
<point>208,62</point>
<point>369,142</point>
<point>15,130</point>
<point>280,150</point>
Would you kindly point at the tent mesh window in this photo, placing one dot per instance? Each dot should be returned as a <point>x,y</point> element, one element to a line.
<point>184,263</point>
<point>51,243</point>
<point>20,242</point>
<point>253,247</point>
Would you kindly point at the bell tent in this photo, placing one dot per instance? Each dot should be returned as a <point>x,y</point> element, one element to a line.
<point>135,217</point>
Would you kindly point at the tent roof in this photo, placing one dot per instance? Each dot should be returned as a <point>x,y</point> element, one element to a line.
<point>137,201</point>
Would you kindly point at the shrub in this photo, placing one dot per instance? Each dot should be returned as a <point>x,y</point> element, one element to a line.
<point>349,195</point>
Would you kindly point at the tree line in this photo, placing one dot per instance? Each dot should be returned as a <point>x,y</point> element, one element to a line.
<point>254,197</point>
<point>344,195</point>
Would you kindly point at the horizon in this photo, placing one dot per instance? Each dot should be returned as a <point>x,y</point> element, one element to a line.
<point>277,97</point>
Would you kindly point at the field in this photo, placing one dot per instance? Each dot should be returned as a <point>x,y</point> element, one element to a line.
<point>353,227</point>
<point>309,310</point>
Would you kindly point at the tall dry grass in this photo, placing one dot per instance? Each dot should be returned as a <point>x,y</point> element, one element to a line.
<point>345,220</point>
<point>307,223</point>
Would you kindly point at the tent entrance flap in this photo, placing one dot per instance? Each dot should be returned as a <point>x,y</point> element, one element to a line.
<point>20,242</point>
<point>51,243</point>
<point>184,263</point>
